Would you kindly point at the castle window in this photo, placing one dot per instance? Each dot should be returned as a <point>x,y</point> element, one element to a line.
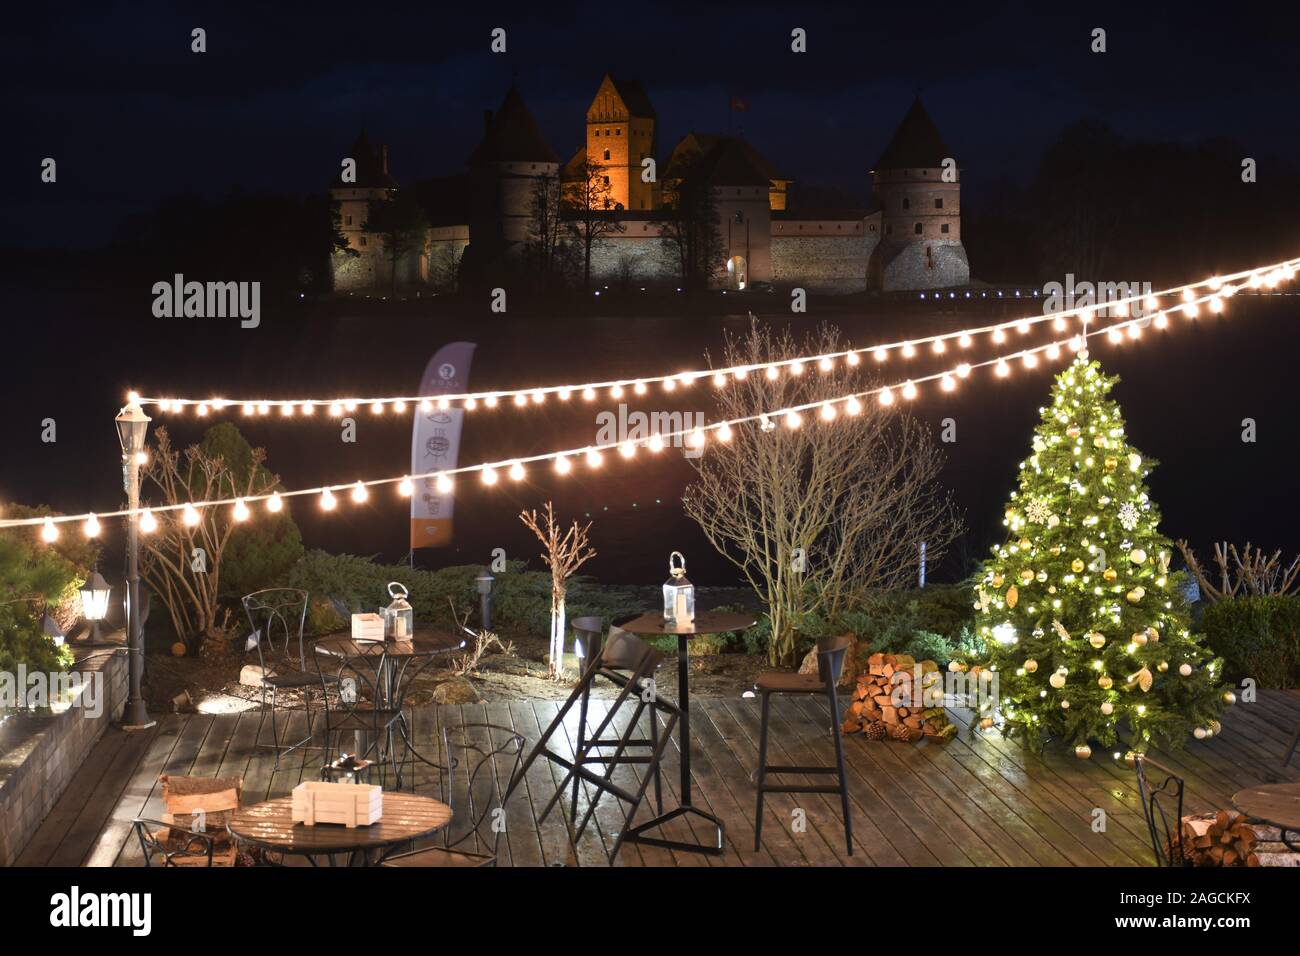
<point>347,220</point>
<point>618,132</point>
<point>944,229</point>
<point>606,154</point>
<point>917,229</point>
<point>907,203</point>
<point>363,240</point>
<point>938,203</point>
<point>740,216</point>
<point>606,180</point>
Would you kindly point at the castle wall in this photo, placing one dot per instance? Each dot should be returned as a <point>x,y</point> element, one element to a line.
<point>442,257</point>
<point>635,257</point>
<point>908,266</point>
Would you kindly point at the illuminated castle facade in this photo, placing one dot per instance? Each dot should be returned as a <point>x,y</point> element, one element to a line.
<point>483,221</point>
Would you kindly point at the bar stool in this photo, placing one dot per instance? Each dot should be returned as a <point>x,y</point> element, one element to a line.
<point>629,662</point>
<point>830,661</point>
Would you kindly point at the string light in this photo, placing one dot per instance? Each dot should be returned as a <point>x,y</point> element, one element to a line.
<point>406,488</point>
<point>562,465</point>
<point>241,510</point>
<point>517,472</point>
<point>489,475</point>
<point>885,394</point>
<point>148,523</point>
<point>359,493</point>
<point>327,500</point>
<point>92,526</point>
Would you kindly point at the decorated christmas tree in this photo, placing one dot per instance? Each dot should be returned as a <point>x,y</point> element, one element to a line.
<point>1082,621</point>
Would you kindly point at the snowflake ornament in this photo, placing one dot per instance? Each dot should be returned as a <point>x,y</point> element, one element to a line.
<point>1128,516</point>
<point>1038,511</point>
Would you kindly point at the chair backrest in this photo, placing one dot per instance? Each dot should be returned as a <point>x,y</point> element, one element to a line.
<point>627,652</point>
<point>480,761</point>
<point>1162,806</point>
<point>830,657</point>
<point>589,633</point>
<point>350,685</point>
<point>163,843</point>
<point>277,617</point>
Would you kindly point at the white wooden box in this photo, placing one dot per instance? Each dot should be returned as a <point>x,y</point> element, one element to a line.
<point>367,627</point>
<point>351,804</point>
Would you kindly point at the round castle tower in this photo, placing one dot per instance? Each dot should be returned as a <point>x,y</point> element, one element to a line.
<point>513,155</point>
<point>918,187</point>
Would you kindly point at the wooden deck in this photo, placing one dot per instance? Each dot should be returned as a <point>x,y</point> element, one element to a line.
<point>969,802</point>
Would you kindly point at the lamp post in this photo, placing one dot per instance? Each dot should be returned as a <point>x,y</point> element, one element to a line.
<point>132,425</point>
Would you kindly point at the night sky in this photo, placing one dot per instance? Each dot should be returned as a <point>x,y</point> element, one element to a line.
<point>114,93</point>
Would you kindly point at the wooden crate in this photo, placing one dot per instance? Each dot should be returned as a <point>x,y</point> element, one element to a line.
<point>351,804</point>
<point>367,627</point>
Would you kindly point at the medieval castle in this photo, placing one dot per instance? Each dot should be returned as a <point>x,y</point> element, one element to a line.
<point>909,240</point>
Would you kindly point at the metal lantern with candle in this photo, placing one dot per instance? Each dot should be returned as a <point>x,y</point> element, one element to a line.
<point>679,594</point>
<point>399,616</point>
<point>94,603</point>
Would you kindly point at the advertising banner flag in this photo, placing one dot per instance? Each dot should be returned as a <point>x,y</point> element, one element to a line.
<point>435,445</point>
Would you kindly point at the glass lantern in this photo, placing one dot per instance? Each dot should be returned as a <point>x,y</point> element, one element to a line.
<point>679,594</point>
<point>399,616</point>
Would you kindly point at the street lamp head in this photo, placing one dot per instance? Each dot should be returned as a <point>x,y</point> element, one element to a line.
<point>94,597</point>
<point>132,425</point>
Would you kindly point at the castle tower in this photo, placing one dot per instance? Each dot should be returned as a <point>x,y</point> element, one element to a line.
<point>513,155</point>
<point>917,185</point>
<point>369,268</point>
<point>620,134</point>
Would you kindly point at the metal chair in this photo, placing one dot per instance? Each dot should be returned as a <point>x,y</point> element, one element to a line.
<point>195,849</point>
<point>358,701</point>
<point>277,617</point>
<point>589,633</point>
<point>629,662</point>
<point>830,661</point>
<point>471,780</point>
<point>1157,804</point>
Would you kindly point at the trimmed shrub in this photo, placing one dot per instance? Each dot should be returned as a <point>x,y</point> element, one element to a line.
<point>1257,637</point>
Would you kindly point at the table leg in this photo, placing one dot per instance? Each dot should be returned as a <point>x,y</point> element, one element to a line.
<point>637,833</point>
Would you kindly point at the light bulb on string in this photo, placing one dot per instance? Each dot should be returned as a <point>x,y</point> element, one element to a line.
<point>190,515</point>
<point>962,370</point>
<point>772,372</point>
<point>886,396</point>
<point>444,484</point>
<point>92,526</point>
<point>1002,369</point>
<point>796,368</point>
<point>909,390</point>
<point>880,353</point>
<point>335,409</point>
<point>1113,335</point>
<point>240,510</point>
<point>308,408</point>
<point>49,531</point>
<point>908,350</point>
<point>471,403</point>
<point>639,388</point>
<point>589,394</point>
<point>1029,359</point>
<point>327,500</point>
<point>1053,352</point>
<point>741,374</point>
<point>793,419</point>
<point>853,406</point>
<point>1160,321</point>
<point>627,449</point>
<point>724,432</point>
<point>488,474</point>
<point>263,408</point>
<point>273,503</point>
<point>286,410</point>
<point>444,403</point>
<point>965,341</point>
<point>1216,304</point>
<point>939,347</point>
<point>697,438</point>
<point>350,405</point>
<point>1134,330</point>
<point>562,465</point>
<point>203,409</point>
<point>360,493</point>
<point>405,487</point>
<point>593,458</point>
<point>670,384</point>
<point>1023,327</point>
<point>1059,323</point>
<point>616,391</point>
<point>826,364</point>
<point>520,399</point>
<point>426,406</point>
<point>999,336</point>
<point>853,358</point>
<point>248,408</point>
<point>563,394</point>
<point>719,380</point>
<point>517,471</point>
<point>148,523</point>
<point>828,412</point>
<point>490,401</point>
<point>947,383</point>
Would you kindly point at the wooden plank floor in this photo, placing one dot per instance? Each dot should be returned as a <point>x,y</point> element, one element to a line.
<point>973,801</point>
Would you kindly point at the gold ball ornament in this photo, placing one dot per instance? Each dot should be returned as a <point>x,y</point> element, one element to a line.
<point>1107,708</point>
<point>956,667</point>
<point>1110,463</point>
<point>1083,752</point>
<point>1053,520</point>
<point>1057,680</point>
<point>1104,682</point>
<point>997,580</point>
<point>1215,727</point>
<point>1135,461</point>
<point>1136,595</point>
<point>1051,589</point>
<point>1025,543</point>
<point>1073,431</point>
<point>1137,556</point>
<point>1099,441</point>
<point>1065,705</point>
<point>1229,698</point>
<point>1199,733</point>
<point>1162,666</point>
<point>1185,670</point>
<point>1140,639</point>
<point>1031,665</point>
<point>1026,575</point>
<point>1013,596</point>
<point>1110,574</point>
<point>1153,634</point>
<point>1096,639</point>
<point>1076,565</point>
<point>1041,576</point>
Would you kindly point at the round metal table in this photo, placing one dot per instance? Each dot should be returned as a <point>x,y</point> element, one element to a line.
<point>652,625</point>
<point>269,825</point>
<point>1277,804</point>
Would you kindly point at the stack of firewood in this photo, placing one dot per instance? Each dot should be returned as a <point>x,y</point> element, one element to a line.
<point>1226,839</point>
<point>897,699</point>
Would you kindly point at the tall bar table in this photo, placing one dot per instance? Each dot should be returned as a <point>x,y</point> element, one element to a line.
<point>652,625</point>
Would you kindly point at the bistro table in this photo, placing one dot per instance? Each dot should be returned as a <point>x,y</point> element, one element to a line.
<point>653,625</point>
<point>1277,804</point>
<point>395,660</point>
<point>269,825</point>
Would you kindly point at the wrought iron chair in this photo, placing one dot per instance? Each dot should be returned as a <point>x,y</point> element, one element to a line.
<point>1158,803</point>
<point>193,848</point>
<point>629,662</point>
<point>359,700</point>
<point>830,661</point>
<point>277,617</point>
<point>471,786</point>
